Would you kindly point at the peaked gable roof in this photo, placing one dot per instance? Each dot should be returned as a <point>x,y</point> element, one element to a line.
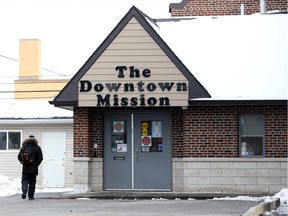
<point>69,95</point>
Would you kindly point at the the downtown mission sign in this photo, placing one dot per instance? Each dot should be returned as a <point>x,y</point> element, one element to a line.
<point>130,86</point>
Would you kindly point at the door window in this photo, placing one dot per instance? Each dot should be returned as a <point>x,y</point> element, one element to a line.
<point>251,137</point>
<point>119,136</point>
<point>151,136</point>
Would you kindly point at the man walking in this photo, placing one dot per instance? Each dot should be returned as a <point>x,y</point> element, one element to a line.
<point>30,156</point>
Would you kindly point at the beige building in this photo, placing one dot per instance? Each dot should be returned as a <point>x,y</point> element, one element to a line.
<point>30,113</point>
<point>30,84</point>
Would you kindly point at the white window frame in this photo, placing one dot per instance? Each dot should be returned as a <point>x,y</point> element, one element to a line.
<point>7,143</point>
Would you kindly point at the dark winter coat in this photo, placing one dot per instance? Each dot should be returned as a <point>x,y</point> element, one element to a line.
<point>36,156</point>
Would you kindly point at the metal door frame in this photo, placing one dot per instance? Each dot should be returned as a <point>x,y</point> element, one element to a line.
<point>132,116</point>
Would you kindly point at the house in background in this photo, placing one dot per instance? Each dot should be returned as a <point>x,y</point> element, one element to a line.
<point>26,112</point>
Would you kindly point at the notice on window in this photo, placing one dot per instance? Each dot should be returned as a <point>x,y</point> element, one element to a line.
<point>146,141</point>
<point>151,136</point>
<point>118,126</point>
<point>121,147</point>
<point>156,128</point>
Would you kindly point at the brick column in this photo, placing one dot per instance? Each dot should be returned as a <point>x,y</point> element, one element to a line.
<point>81,165</point>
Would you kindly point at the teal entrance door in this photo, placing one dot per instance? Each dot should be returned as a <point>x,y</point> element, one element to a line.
<point>137,153</point>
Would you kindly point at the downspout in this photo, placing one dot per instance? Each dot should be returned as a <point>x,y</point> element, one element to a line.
<point>262,6</point>
<point>242,9</point>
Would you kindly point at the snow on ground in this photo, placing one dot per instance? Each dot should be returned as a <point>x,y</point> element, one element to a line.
<point>10,186</point>
<point>283,195</point>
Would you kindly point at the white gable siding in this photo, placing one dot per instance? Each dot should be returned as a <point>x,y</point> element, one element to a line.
<point>133,46</point>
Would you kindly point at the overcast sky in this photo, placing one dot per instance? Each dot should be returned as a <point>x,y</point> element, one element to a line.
<point>70,30</point>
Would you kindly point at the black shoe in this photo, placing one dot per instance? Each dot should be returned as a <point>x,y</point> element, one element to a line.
<point>24,192</point>
<point>31,199</point>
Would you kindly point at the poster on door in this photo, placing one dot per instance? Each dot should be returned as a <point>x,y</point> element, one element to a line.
<point>119,136</point>
<point>151,136</point>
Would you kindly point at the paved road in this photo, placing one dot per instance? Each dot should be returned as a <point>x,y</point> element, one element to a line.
<point>107,207</point>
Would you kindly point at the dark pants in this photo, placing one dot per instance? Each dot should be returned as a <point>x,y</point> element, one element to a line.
<point>29,183</point>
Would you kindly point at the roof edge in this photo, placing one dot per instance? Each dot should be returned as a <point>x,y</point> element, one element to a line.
<point>212,102</point>
<point>177,5</point>
<point>64,120</point>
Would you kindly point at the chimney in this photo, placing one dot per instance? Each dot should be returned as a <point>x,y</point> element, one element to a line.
<point>29,59</point>
<point>262,6</point>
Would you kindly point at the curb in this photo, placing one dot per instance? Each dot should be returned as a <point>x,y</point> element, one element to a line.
<point>144,195</point>
<point>262,208</point>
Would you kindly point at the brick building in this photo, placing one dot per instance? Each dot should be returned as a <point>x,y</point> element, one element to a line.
<point>225,7</point>
<point>160,108</point>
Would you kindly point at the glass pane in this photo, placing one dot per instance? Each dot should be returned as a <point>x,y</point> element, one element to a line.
<point>14,140</point>
<point>3,140</point>
<point>252,135</point>
<point>151,136</point>
<point>252,125</point>
<point>252,146</point>
<point>119,136</point>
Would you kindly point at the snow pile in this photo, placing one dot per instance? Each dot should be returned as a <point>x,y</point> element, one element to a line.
<point>281,210</point>
<point>10,186</point>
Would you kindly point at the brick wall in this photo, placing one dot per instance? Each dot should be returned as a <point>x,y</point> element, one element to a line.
<point>223,7</point>
<point>81,132</point>
<point>213,131</point>
<point>197,132</point>
<point>97,132</point>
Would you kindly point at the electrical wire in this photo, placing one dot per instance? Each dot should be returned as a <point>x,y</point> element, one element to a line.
<point>23,82</point>
<point>34,91</point>
<point>54,72</point>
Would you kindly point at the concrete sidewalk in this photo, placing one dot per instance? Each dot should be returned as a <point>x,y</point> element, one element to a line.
<point>197,200</point>
<point>58,204</point>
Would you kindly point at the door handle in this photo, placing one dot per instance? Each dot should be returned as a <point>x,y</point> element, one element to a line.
<point>136,155</point>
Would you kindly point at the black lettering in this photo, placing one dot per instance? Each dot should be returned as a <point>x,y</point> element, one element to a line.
<point>152,101</point>
<point>140,86</point>
<point>103,101</point>
<point>134,72</point>
<point>166,85</point>
<point>142,100</point>
<point>113,86</point>
<point>164,101</point>
<point>121,71</point>
<point>85,86</point>
<point>98,87</point>
<point>134,101</point>
<point>146,73</point>
<point>116,100</point>
<point>151,87</point>
<point>181,87</point>
<point>128,87</point>
<point>124,101</point>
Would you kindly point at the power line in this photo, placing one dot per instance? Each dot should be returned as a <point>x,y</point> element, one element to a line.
<point>12,59</point>
<point>27,98</point>
<point>23,82</point>
<point>34,91</point>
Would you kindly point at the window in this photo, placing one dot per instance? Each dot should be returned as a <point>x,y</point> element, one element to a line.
<point>151,136</point>
<point>251,135</point>
<point>119,136</point>
<point>10,140</point>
